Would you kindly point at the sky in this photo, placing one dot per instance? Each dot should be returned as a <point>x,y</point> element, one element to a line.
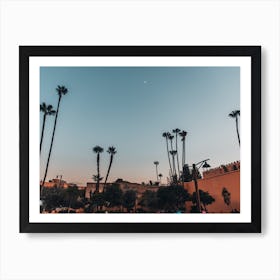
<point>129,108</point>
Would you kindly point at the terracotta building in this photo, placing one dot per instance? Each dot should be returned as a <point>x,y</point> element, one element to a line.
<point>59,183</point>
<point>214,181</point>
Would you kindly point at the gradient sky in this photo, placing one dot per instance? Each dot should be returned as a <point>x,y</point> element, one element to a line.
<point>130,108</point>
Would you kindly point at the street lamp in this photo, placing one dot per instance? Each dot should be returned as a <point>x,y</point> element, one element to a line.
<point>203,164</point>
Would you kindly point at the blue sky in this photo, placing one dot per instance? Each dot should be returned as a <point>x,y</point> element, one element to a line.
<point>130,108</point>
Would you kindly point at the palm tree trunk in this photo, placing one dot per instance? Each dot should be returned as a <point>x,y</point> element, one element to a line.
<point>168,156</point>
<point>174,166</point>
<point>173,170</point>
<point>157,172</point>
<point>50,150</point>
<point>98,173</point>
<point>236,122</point>
<point>177,155</point>
<point>107,175</point>
<point>183,154</point>
<point>43,129</point>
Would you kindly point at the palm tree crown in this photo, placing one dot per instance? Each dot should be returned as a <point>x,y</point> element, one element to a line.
<point>235,114</point>
<point>183,134</point>
<point>170,137</point>
<point>176,130</point>
<point>97,149</point>
<point>48,111</point>
<point>61,90</point>
<point>111,150</point>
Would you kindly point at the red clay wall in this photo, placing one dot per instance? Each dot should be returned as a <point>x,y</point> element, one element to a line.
<point>214,185</point>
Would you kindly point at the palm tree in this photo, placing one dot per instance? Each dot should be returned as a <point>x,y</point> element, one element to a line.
<point>183,135</point>
<point>111,151</point>
<point>48,111</point>
<point>166,136</point>
<point>170,137</point>
<point>61,90</point>
<point>156,163</point>
<point>98,150</point>
<point>176,131</point>
<point>235,114</point>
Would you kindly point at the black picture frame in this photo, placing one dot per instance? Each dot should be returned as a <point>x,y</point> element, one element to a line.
<point>254,52</point>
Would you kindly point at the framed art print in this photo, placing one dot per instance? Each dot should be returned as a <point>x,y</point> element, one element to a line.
<point>140,138</point>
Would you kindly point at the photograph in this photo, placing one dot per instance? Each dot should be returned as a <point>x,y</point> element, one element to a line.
<point>140,140</point>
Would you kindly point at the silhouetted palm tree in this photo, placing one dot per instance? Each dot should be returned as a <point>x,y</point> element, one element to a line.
<point>176,131</point>
<point>171,137</point>
<point>61,90</point>
<point>112,151</point>
<point>156,163</point>
<point>98,150</point>
<point>234,115</point>
<point>166,136</point>
<point>47,111</point>
<point>183,135</point>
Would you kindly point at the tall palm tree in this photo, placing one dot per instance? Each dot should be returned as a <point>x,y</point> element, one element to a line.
<point>98,150</point>
<point>235,114</point>
<point>111,151</point>
<point>166,136</point>
<point>47,111</point>
<point>183,135</point>
<point>171,137</point>
<point>176,131</point>
<point>61,90</point>
<point>156,163</point>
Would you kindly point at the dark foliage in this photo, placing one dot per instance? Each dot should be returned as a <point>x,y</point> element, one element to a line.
<point>129,199</point>
<point>172,198</point>
<point>113,195</point>
<point>149,201</point>
<point>205,198</point>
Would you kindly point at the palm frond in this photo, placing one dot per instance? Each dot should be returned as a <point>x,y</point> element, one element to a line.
<point>97,149</point>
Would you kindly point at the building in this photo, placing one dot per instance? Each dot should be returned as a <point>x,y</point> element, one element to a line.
<point>59,183</point>
<point>214,181</point>
<point>124,186</point>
